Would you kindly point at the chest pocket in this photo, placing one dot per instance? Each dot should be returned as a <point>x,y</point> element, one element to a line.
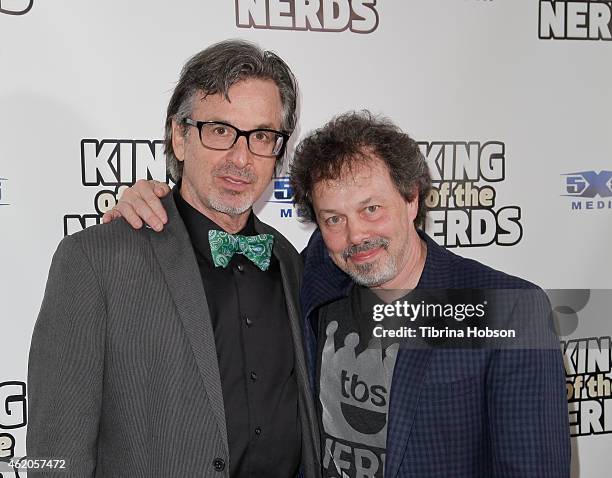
<point>452,374</point>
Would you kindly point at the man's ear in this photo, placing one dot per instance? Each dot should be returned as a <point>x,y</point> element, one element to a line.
<point>178,140</point>
<point>413,207</point>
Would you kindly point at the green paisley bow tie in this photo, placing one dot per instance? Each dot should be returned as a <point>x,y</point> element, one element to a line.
<point>256,248</point>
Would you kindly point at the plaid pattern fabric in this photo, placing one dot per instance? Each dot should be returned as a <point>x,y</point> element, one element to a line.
<point>460,413</point>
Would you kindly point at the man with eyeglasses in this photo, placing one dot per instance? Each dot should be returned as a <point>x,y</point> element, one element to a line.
<point>180,353</point>
<point>391,406</point>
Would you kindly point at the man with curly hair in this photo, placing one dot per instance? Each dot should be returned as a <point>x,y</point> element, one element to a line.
<point>390,410</point>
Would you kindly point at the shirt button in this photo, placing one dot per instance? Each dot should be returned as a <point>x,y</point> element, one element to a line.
<point>253,376</point>
<point>258,431</point>
<point>218,464</point>
<point>240,268</point>
<point>248,321</point>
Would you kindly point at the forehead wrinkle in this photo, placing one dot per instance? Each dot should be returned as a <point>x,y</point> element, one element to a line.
<point>365,201</point>
<point>233,112</point>
<point>352,173</point>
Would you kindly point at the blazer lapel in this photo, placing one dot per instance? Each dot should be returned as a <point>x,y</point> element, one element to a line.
<point>408,375</point>
<point>179,265</point>
<point>291,271</point>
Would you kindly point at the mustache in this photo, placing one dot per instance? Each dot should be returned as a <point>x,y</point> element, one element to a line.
<point>365,246</point>
<point>230,169</point>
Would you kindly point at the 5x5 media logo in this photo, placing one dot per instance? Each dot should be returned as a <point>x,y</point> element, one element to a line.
<point>585,186</point>
<point>16,7</point>
<point>283,192</point>
<point>282,196</point>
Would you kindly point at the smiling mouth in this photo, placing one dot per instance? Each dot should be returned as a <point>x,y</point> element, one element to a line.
<point>234,183</point>
<point>366,251</point>
<point>365,255</point>
<point>234,179</point>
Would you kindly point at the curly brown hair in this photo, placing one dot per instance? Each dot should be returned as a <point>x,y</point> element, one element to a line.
<point>355,137</point>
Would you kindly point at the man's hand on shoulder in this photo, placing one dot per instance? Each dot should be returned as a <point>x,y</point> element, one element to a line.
<point>141,203</point>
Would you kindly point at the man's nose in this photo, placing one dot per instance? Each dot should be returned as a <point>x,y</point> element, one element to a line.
<point>240,154</point>
<point>357,231</point>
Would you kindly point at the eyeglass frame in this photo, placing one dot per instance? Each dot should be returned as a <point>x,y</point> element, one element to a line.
<point>239,133</point>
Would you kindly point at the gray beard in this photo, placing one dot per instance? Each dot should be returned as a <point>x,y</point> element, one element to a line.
<point>366,276</point>
<point>229,210</point>
<point>231,169</point>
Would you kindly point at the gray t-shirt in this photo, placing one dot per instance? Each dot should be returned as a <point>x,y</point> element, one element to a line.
<point>354,372</point>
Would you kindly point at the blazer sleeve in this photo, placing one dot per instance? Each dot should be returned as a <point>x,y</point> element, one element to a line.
<point>527,405</point>
<point>66,363</point>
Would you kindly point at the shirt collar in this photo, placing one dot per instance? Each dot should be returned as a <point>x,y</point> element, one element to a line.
<point>198,224</point>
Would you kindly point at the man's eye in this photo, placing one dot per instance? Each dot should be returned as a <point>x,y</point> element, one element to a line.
<point>372,209</point>
<point>262,136</point>
<point>220,130</point>
<point>333,220</point>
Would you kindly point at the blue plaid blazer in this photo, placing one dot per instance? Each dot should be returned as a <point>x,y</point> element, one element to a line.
<point>459,413</point>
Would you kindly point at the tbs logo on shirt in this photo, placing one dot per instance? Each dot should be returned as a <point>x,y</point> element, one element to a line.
<point>354,391</point>
<point>358,16</point>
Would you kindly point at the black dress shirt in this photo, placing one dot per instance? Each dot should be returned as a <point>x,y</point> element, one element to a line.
<point>255,352</point>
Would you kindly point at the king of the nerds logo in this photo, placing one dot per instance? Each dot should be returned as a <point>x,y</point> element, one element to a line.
<point>587,358</point>
<point>590,190</point>
<point>110,166</point>
<point>588,364</point>
<point>3,199</point>
<point>13,415</point>
<point>575,20</point>
<point>16,7</point>
<point>358,16</point>
<point>462,205</point>
<point>463,209</point>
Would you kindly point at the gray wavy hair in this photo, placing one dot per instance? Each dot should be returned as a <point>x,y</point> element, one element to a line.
<point>215,70</point>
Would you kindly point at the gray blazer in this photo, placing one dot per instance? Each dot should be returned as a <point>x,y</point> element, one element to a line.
<point>123,375</point>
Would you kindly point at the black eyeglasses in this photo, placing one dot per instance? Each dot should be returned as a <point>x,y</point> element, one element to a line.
<point>223,136</point>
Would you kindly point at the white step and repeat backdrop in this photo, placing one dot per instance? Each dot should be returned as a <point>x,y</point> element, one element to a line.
<point>511,97</point>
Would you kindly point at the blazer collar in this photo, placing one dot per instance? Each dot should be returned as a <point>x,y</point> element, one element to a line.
<point>178,263</point>
<point>411,364</point>
<point>408,375</point>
